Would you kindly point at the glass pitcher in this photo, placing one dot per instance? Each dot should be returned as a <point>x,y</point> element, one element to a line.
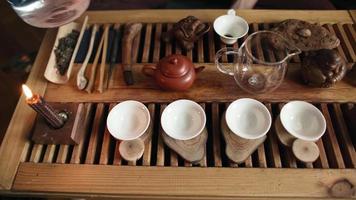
<point>49,13</point>
<point>260,64</point>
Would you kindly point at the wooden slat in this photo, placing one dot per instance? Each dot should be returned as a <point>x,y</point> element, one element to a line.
<point>105,148</point>
<point>216,135</point>
<point>211,45</point>
<point>352,35</point>
<point>78,149</point>
<point>330,141</point>
<point>273,143</point>
<point>147,44</point>
<point>160,145</point>
<point>248,162</point>
<point>36,153</point>
<point>174,159</point>
<point>203,162</point>
<point>202,182</point>
<point>157,43</point>
<point>117,156</point>
<point>136,46</point>
<point>270,55</point>
<point>261,156</point>
<point>201,50</point>
<point>48,157</point>
<point>148,143</point>
<point>62,154</point>
<point>208,15</point>
<point>322,160</point>
<point>17,133</point>
<point>345,139</point>
<point>345,42</point>
<point>103,67</point>
<point>94,135</point>
<point>291,161</point>
<point>353,15</point>
<point>339,48</point>
<point>259,51</point>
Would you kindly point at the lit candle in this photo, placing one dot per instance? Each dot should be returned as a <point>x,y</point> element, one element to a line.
<point>44,109</point>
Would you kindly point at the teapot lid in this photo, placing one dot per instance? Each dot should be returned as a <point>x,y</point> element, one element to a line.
<point>174,66</point>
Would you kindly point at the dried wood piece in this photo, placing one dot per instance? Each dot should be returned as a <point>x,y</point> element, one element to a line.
<point>238,149</point>
<point>192,150</point>
<point>131,32</point>
<point>284,137</point>
<point>132,150</point>
<point>307,36</point>
<point>305,151</point>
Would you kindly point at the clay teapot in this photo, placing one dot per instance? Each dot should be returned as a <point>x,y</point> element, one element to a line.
<point>173,72</point>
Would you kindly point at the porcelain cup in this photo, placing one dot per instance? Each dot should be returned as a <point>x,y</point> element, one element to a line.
<point>303,120</point>
<point>128,120</point>
<point>248,118</point>
<point>230,27</point>
<point>183,119</point>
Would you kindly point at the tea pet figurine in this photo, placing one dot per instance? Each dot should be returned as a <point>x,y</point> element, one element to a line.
<point>174,72</point>
<point>186,32</point>
<point>323,68</point>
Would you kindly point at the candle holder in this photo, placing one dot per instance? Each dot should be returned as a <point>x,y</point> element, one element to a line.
<point>70,133</point>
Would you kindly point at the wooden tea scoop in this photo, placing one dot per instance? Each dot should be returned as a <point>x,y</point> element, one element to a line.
<point>132,150</point>
<point>284,137</point>
<point>305,151</point>
<point>91,82</point>
<point>130,32</point>
<point>103,59</point>
<point>82,81</point>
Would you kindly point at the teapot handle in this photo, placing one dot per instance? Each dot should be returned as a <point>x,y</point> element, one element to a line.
<point>222,66</point>
<point>149,70</point>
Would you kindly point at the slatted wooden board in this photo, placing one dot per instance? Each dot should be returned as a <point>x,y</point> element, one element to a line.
<point>99,147</point>
<point>94,168</point>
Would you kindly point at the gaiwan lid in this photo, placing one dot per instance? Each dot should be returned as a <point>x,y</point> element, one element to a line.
<point>174,66</point>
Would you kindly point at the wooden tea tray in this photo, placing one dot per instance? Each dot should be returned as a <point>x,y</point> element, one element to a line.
<point>94,168</point>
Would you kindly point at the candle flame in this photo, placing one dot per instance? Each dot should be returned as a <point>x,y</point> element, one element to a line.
<point>27,91</point>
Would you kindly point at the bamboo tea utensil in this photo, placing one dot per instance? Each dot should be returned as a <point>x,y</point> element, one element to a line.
<point>82,81</point>
<point>91,82</point>
<point>114,51</point>
<point>103,59</point>
<point>130,32</point>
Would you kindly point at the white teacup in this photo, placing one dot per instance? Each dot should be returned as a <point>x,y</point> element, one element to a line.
<point>303,120</point>
<point>128,120</point>
<point>183,119</point>
<point>230,27</point>
<point>248,118</point>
